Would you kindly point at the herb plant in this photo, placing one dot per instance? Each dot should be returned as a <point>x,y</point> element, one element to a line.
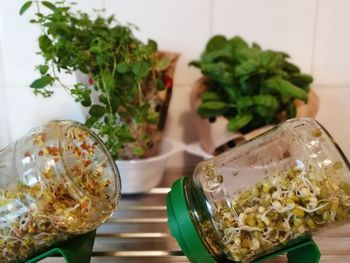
<point>124,73</point>
<point>249,86</point>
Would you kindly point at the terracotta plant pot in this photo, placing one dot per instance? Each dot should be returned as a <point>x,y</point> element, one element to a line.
<point>215,138</point>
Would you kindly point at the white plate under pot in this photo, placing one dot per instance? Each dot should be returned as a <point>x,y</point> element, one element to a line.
<point>140,176</point>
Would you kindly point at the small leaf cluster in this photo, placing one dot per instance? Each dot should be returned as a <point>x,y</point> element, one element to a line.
<point>249,86</point>
<point>116,61</point>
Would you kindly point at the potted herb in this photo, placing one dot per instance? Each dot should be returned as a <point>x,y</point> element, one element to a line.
<point>128,87</point>
<point>245,89</point>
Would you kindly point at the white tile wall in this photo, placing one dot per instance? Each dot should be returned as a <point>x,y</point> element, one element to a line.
<point>177,25</point>
<point>333,114</point>
<point>25,110</point>
<point>282,25</point>
<point>19,41</point>
<point>4,136</point>
<point>20,110</point>
<point>332,43</point>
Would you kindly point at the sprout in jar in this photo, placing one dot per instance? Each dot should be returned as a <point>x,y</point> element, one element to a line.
<point>69,195</point>
<point>284,206</point>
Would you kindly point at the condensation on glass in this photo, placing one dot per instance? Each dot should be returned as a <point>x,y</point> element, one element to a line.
<point>56,182</point>
<point>269,192</point>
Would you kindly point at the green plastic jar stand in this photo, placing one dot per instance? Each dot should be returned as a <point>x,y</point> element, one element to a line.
<point>303,252</point>
<point>78,249</point>
<point>184,231</point>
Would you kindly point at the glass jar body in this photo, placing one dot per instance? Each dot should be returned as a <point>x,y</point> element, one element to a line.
<point>269,192</point>
<point>56,182</point>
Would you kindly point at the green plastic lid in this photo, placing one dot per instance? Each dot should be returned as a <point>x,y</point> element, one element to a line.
<point>181,225</point>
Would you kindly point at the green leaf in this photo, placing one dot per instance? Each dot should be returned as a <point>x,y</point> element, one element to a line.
<point>220,72</point>
<point>86,102</point>
<point>291,68</point>
<point>300,80</point>
<point>210,96</point>
<point>285,88</point>
<point>42,82</point>
<point>195,63</point>
<point>122,67</point>
<point>44,43</point>
<point>247,68</point>
<point>160,84</point>
<point>216,42</point>
<point>244,102</point>
<point>277,71</point>
<point>43,69</point>
<point>212,108</point>
<point>250,84</point>
<point>102,98</point>
<point>242,54</point>
<point>266,100</point>
<point>162,64</point>
<point>291,110</point>
<point>25,7</point>
<point>264,112</point>
<point>152,117</point>
<point>97,111</point>
<point>232,92</point>
<point>270,59</point>
<point>138,151</point>
<point>140,69</point>
<point>49,5</point>
<point>90,121</point>
<point>152,45</point>
<point>256,46</point>
<point>239,121</point>
<point>237,43</point>
<point>224,55</point>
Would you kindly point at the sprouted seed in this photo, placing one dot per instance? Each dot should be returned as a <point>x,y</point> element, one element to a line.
<point>62,203</point>
<point>283,206</point>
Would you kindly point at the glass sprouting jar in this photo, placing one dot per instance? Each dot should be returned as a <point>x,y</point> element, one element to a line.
<point>262,195</point>
<point>56,182</point>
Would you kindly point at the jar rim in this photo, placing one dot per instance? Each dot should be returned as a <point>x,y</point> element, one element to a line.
<point>71,124</point>
<point>335,144</point>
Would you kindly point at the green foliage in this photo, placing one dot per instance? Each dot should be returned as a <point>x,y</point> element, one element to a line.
<point>25,7</point>
<point>42,82</point>
<point>249,86</point>
<point>117,63</point>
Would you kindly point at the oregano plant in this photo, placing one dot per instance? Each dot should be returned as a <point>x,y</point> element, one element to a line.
<point>123,73</point>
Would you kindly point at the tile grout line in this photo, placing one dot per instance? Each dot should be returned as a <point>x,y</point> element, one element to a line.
<point>6,129</point>
<point>211,17</point>
<point>314,37</point>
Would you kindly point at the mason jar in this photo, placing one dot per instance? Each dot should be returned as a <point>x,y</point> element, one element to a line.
<point>56,182</point>
<point>262,196</point>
